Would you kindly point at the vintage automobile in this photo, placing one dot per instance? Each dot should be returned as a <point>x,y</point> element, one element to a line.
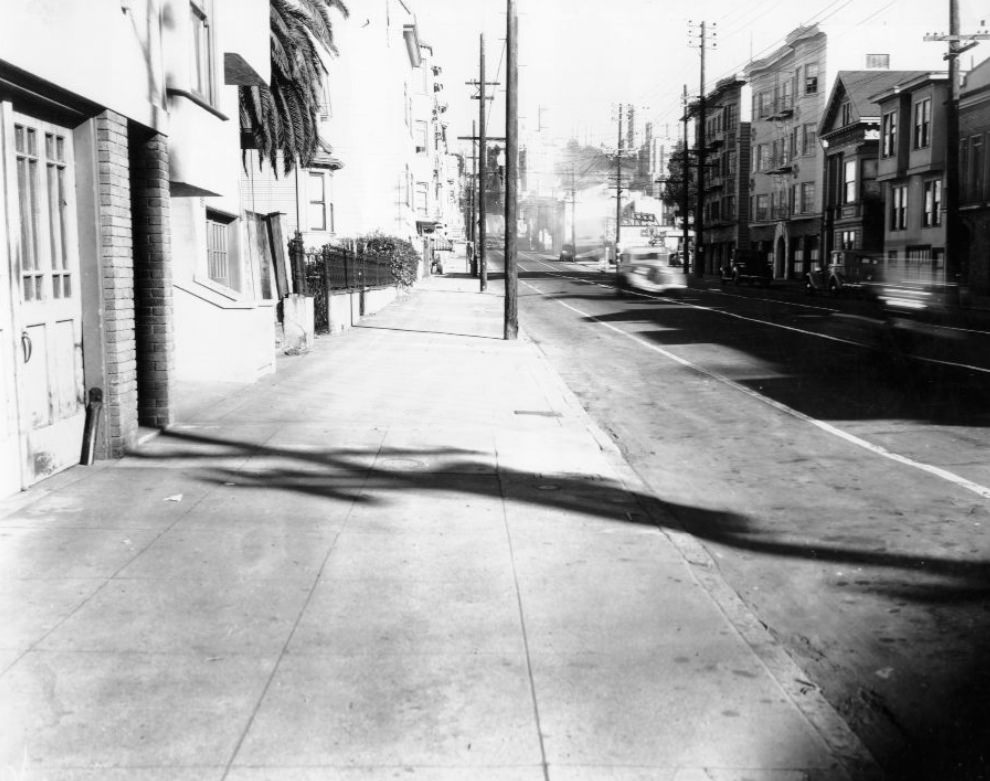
<point>748,266</point>
<point>847,272</point>
<point>567,253</point>
<point>649,269</point>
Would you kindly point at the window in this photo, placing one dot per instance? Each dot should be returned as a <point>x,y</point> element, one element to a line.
<point>811,78</point>
<point>922,123</point>
<point>976,165</point>
<point>218,265</point>
<point>763,105</point>
<point>849,182</point>
<point>889,134</point>
<point>877,61</point>
<point>807,197</point>
<point>846,113</point>
<point>764,157</point>
<point>786,96</point>
<point>809,139</point>
<point>421,133</point>
<point>847,240</point>
<point>761,208</point>
<point>933,203</point>
<point>44,191</point>
<point>422,196</point>
<point>202,51</point>
<point>318,201</point>
<point>898,207</point>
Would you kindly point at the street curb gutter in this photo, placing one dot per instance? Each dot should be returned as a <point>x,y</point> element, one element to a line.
<point>857,762</point>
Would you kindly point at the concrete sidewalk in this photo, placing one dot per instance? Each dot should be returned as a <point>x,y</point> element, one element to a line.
<point>410,553</point>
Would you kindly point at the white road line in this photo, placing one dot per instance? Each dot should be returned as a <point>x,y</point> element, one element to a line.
<point>944,474</point>
<point>827,337</point>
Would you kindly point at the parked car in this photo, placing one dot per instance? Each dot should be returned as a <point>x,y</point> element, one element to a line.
<point>567,253</point>
<point>847,272</point>
<point>650,269</point>
<point>748,266</point>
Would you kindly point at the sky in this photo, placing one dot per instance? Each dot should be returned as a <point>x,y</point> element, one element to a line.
<point>579,59</point>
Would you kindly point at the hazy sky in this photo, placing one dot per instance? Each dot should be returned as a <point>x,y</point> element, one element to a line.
<point>579,58</point>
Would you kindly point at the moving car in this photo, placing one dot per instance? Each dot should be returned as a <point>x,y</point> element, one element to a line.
<point>650,269</point>
<point>567,253</point>
<point>847,271</point>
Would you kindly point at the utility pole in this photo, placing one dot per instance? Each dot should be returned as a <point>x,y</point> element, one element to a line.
<point>474,196</point>
<point>482,170</point>
<point>685,191</point>
<point>955,267</point>
<point>573,213</point>
<point>618,188</point>
<point>511,323</point>
<point>699,215</point>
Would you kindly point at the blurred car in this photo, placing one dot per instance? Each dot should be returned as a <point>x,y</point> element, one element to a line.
<point>847,272</point>
<point>567,253</point>
<point>651,270</point>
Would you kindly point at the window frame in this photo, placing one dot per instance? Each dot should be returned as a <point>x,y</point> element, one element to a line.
<point>850,180</point>
<point>202,51</point>
<point>888,134</point>
<point>922,112</point>
<point>898,207</point>
<point>932,213</point>
<point>215,218</point>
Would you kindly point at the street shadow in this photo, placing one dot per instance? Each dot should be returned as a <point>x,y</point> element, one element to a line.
<point>943,739</point>
<point>859,368</point>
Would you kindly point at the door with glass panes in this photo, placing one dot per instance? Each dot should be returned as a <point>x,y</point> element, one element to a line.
<point>41,334</point>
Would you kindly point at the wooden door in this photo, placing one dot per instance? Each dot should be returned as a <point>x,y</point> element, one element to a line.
<point>44,335</point>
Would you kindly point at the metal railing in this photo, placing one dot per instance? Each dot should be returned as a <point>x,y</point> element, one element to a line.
<point>333,268</point>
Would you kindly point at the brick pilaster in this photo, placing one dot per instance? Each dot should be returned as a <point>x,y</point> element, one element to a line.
<point>117,282</point>
<point>154,310</point>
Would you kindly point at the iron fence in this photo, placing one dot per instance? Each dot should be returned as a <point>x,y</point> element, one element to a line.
<point>333,268</point>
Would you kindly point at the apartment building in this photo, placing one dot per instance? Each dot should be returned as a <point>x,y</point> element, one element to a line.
<point>853,214</point>
<point>119,153</point>
<point>390,130</point>
<point>789,89</point>
<point>727,174</point>
<point>974,178</point>
<point>911,170</point>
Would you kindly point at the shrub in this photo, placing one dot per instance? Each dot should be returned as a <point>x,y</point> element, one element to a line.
<point>403,255</point>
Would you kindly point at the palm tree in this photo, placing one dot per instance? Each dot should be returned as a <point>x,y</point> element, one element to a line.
<point>281,120</point>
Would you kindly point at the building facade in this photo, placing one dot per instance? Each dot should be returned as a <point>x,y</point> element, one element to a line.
<point>727,175</point>
<point>911,170</point>
<point>118,155</point>
<point>974,177</point>
<point>789,89</point>
<point>852,202</point>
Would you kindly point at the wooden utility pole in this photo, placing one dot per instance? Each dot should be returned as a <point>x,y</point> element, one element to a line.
<point>474,196</point>
<point>511,330</point>
<point>618,188</point>
<point>685,189</point>
<point>573,213</point>
<point>956,266</point>
<point>482,170</point>
<point>699,214</point>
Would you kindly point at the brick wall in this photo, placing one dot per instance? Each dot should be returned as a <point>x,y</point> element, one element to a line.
<point>117,282</point>
<point>154,310</point>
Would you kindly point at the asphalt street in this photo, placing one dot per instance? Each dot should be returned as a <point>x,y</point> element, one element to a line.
<point>842,488</point>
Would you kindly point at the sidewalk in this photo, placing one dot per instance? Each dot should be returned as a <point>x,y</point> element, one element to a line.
<point>408,554</point>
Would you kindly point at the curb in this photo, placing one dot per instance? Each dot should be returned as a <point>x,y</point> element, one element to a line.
<point>855,759</point>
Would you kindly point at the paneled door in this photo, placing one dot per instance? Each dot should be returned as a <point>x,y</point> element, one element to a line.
<point>44,405</point>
